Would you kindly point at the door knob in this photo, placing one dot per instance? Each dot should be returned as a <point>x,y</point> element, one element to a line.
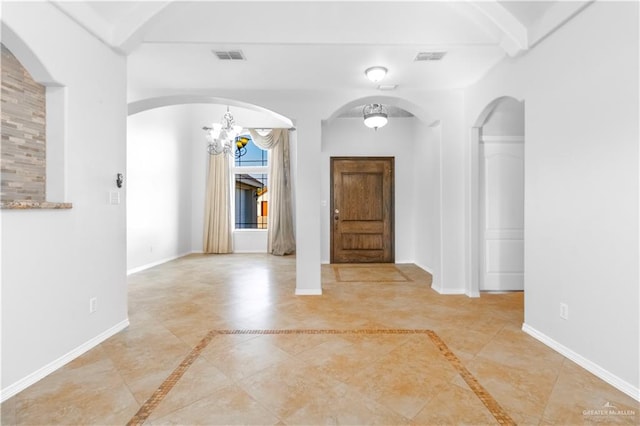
<point>336,211</point>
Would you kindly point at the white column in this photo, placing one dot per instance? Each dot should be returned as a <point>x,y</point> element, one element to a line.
<point>307,200</point>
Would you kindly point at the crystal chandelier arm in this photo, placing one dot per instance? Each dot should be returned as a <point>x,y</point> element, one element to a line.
<point>221,136</point>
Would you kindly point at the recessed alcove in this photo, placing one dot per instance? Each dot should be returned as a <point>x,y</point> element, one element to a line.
<point>32,167</point>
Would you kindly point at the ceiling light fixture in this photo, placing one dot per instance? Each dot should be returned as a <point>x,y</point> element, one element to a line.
<point>375,116</point>
<point>375,74</point>
<point>223,136</point>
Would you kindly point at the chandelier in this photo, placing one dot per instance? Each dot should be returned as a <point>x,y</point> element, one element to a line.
<point>375,116</point>
<point>223,137</point>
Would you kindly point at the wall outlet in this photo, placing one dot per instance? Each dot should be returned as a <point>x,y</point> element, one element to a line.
<point>564,311</point>
<point>93,305</point>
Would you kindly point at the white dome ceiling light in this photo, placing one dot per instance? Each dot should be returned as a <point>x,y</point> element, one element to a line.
<point>375,116</point>
<point>375,74</point>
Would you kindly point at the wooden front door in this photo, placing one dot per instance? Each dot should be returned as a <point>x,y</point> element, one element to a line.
<point>362,210</point>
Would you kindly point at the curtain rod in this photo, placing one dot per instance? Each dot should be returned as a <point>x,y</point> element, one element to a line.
<point>271,128</point>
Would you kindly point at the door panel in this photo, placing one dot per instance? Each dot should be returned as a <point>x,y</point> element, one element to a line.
<point>362,242</point>
<point>502,216</point>
<point>361,200</point>
<point>362,210</point>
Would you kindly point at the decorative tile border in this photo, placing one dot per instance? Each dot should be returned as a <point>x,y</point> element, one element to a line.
<point>156,398</point>
<point>494,408</point>
<point>336,271</point>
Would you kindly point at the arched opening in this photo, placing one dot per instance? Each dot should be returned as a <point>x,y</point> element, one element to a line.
<point>27,58</point>
<point>167,163</point>
<point>244,107</point>
<point>412,139</point>
<point>399,103</point>
<point>496,217</point>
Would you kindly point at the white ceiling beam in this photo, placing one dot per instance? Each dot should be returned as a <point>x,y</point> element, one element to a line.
<point>85,16</point>
<point>555,17</point>
<point>129,32</point>
<point>515,35</point>
<point>125,34</point>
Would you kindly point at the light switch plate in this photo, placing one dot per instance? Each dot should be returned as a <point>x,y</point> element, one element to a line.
<point>114,197</point>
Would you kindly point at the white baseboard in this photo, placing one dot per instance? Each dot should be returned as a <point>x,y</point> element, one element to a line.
<point>308,292</point>
<point>40,374</point>
<point>451,291</point>
<point>438,286</point>
<point>425,268</point>
<point>158,262</point>
<point>583,362</point>
<point>472,293</point>
<point>448,291</point>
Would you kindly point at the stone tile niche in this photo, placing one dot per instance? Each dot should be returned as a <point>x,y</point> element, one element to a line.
<point>23,128</point>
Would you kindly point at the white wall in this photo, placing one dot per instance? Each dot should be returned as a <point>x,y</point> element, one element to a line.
<point>159,213</point>
<point>581,186</point>
<point>427,196</point>
<point>53,262</point>
<point>453,134</point>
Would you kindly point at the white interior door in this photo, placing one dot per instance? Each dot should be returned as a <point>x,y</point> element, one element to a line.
<point>502,214</point>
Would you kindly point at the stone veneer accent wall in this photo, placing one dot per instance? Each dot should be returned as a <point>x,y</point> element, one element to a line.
<point>22,159</point>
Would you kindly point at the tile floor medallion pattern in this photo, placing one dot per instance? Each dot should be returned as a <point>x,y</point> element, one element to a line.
<point>147,408</point>
<point>222,340</point>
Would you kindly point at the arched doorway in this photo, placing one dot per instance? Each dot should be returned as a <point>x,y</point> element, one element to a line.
<point>167,163</point>
<point>413,139</point>
<point>497,198</point>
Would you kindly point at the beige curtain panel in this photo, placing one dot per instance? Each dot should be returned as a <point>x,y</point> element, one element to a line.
<point>217,214</point>
<point>281,238</point>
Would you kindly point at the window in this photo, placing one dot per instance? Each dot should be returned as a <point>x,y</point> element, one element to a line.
<point>251,177</point>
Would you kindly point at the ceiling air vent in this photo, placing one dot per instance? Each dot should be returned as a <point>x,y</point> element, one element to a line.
<point>429,56</point>
<point>230,55</point>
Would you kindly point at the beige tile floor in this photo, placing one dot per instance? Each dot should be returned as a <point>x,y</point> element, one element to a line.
<point>308,379</point>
